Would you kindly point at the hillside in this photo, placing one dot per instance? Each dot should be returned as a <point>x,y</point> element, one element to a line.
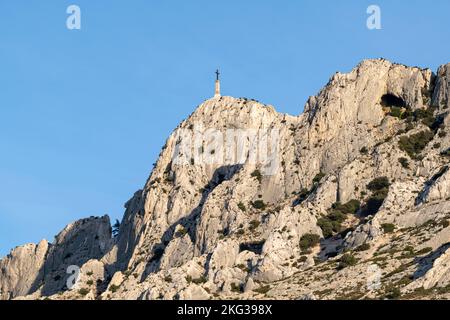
<point>348,200</point>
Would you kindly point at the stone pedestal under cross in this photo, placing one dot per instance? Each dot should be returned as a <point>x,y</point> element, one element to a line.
<point>217,92</point>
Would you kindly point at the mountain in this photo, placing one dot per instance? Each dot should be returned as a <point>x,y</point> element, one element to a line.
<point>348,200</point>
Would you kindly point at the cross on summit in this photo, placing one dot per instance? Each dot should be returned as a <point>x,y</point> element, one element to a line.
<point>217,92</point>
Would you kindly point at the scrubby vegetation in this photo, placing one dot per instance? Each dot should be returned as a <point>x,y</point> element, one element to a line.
<point>350,207</point>
<point>254,224</point>
<point>347,260</point>
<point>414,144</point>
<point>257,174</point>
<point>378,184</point>
<point>337,214</point>
<point>329,227</point>
<point>263,289</point>
<point>388,227</point>
<point>259,204</point>
<point>424,251</point>
<point>318,177</point>
<point>393,293</point>
<point>363,247</point>
<point>242,207</point>
<point>113,288</point>
<point>396,112</point>
<point>380,188</point>
<point>404,162</point>
<point>308,241</point>
<point>200,280</point>
<point>83,291</point>
<point>305,193</point>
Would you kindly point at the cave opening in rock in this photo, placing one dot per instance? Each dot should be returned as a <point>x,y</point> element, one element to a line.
<point>255,247</point>
<point>390,100</point>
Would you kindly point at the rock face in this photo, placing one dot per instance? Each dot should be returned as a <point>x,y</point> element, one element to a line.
<point>245,201</point>
<point>43,267</point>
<point>20,269</point>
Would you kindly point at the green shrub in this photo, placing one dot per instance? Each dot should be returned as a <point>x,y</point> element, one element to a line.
<point>380,189</point>
<point>404,162</point>
<point>113,288</point>
<point>388,227</point>
<point>254,224</point>
<point>303,259</point>
<point>181,232</point>
<point>329,227</point>
<point>242,207</point>
<point>259,204</point>
<point>393,293</point>
<point>363,247</point>
<point>424,250</point>
<point>378,184</point>
<point>308,241</point>
<point>262,289</point>
<point>427,117</point>
<point>396,112</point>
<point>200,280</point>
<point>243,267</point>
<point>89,282</point>
<point>168,279</point>
<point>347,260</point>
<point>337,214</point>
<point>351,206</point>
<point>364,150</point>
<point>414,144</point>
<point>318,177</point>
<point>83,291</point>
<point>257,174</point>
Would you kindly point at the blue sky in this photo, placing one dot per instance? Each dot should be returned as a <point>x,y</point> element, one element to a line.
<point>84,113</point>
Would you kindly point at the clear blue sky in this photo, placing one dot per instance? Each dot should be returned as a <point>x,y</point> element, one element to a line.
<point>84,113</point>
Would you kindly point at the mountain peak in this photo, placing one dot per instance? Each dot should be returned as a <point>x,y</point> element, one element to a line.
<point>246,202</point>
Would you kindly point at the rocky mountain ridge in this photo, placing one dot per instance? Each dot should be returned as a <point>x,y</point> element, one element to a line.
<point>353,203</point>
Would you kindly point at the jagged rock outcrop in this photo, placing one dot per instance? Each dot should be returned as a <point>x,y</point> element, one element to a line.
<point>43,268</point>
<point>21,268</point>
<point>361,175</point>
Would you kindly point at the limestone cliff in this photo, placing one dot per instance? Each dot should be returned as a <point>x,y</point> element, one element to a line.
<point>350,200</point>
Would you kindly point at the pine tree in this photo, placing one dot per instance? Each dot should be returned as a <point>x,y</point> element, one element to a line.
<point>115,228</point>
